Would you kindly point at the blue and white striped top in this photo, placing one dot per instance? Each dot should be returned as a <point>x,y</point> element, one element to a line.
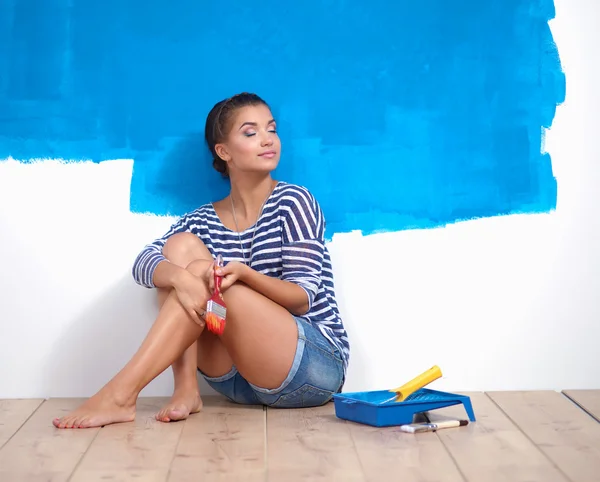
<point>289,244</point>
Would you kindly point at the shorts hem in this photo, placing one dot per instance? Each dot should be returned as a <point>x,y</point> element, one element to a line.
<point>223,378</point>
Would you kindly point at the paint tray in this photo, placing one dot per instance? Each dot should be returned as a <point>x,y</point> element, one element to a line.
<point>375,408</point>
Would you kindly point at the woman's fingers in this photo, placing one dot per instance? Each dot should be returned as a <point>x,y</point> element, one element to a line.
<point>194,316</point>
<point>210,277</point>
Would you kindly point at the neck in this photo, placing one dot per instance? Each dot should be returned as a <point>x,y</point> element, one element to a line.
<point>249,194</point>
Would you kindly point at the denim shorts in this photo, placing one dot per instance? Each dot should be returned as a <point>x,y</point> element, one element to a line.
<point>317,373</point>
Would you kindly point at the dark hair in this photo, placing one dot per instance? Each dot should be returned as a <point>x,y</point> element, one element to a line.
<point>218,123</point>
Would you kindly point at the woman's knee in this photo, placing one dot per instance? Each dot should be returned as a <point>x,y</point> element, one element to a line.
<point>198,267</point>
<point>182,248</point>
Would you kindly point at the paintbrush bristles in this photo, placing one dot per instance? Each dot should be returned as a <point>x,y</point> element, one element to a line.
<point>215,317</point>
<point>215,324</point>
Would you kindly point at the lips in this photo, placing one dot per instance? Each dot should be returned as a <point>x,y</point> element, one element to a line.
<point>268,154</point>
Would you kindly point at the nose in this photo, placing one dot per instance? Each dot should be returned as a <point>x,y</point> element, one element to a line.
<point>267,139</point>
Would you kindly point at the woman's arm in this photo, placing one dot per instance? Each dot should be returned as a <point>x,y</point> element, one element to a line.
<point>289,295</point>
<point>303,248</point>
<point>302,257</point>
<point>168,275</point>
<point>151,268</point>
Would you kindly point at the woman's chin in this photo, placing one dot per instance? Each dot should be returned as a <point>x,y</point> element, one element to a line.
<point>258,171</point>
<point>267,165</point>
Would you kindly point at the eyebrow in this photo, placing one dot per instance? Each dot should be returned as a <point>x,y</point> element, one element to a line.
<point>254,124</point>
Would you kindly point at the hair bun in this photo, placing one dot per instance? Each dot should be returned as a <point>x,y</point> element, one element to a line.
<point>219,165</point>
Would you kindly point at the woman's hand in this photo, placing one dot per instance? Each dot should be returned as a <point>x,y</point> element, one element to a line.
<point>231,272</point>
<point>190,291</point>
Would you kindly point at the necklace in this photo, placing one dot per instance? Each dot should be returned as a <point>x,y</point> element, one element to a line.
<point>247,262</point>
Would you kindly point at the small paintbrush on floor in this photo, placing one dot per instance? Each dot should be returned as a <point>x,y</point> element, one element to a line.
<point>432,426</point>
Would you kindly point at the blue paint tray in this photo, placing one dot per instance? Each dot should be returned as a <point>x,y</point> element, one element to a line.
<point>374,408</point>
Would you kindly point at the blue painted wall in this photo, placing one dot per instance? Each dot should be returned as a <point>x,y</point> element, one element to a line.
<point>396,114</point>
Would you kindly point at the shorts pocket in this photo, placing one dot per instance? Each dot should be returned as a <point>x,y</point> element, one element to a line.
<point>303,397</point>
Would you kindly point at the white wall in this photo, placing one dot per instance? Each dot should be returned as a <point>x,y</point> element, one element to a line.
<point>519,291</point>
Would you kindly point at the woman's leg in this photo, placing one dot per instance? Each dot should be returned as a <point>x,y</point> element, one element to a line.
<point>171,335</point>
<point>259,333</point>
<point>260,337</point>
<point>186,394</point>
<point>181,249</point>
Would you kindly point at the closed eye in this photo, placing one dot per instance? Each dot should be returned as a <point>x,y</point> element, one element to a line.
<point>251,133</point>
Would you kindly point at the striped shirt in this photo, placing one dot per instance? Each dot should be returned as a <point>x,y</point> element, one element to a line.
<point>286,242</point>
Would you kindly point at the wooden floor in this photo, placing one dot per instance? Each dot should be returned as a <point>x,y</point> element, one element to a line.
<point>518,436</point>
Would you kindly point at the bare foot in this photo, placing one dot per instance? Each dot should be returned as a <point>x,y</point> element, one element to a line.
<point>102,409</point>
<point>183,403</point>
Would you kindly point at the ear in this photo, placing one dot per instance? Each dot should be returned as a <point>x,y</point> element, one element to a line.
<point>222,152</point>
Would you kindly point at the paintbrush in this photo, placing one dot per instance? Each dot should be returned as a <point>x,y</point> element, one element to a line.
<point>432,426</point>
<point>216,310</point>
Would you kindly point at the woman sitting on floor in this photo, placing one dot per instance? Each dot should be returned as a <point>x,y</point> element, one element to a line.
<point>284,344</point>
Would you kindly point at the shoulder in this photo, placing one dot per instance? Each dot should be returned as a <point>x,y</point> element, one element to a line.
<point>301,212</point>
<point>295,195</point>
<point>199,214</point>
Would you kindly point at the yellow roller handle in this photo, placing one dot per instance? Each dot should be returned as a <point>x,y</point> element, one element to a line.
<point>417,383</point>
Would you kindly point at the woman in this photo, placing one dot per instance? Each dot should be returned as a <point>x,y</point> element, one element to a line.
<point>284,344</point>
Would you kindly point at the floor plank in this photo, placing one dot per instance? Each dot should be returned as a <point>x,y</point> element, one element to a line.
<point>493,448</point>
<point>389,454</point>
<point>310,444</point>
<point>39,451</point>
<point>224,442</point>
<point>140,451</point>
<point>13,414</point>
<point>589,400</point>
<point>564,432</point>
